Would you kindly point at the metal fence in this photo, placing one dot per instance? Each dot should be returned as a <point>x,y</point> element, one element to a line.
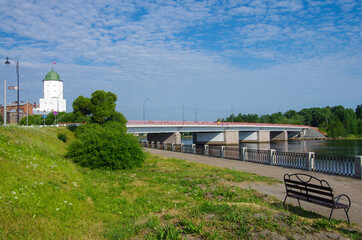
<point>345,166</point>
<point>215,151</point>
<point>334,165</point>
<point>258,156</point>
<point>232,153</point>
<point>290,159</point>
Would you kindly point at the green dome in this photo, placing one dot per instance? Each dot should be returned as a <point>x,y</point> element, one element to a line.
<point>52,76</point>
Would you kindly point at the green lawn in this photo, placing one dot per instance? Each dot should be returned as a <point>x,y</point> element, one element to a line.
<point>45,196</point>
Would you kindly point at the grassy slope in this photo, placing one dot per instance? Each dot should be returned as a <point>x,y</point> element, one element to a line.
<point>45,196</point>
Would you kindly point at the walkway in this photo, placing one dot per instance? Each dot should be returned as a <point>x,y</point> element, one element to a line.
<point>349,186</point>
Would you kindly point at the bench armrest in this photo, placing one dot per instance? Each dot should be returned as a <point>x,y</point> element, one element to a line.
<point>336,199</point>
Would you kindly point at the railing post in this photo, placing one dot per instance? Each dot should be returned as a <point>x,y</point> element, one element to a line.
<point>309,161</point>
<point>193,148</point>
<point>206,150</point>
<point>172,147</point>
<point>243,153</point>
<point>358,167</point>
<point>182,148</point>
<point>147,144</point>
<point>158,145</point>
<point>222,151</point>
<point>164,146</point>
<point>152,144</point>
<point>271,153</point>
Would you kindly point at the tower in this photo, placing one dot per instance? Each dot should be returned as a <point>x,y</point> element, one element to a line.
<point>52,94</point>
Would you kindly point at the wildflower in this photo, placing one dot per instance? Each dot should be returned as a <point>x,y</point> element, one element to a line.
<point>65,202</point>
<point>70,204</point>
<point>13,192</point>
<point>15,197</point>
<point>57,209</point>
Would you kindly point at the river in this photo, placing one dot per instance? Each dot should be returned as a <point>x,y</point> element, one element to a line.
<point>346,148</point>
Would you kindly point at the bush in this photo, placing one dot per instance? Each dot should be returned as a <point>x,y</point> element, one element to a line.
<point>62,137</point>
<point>105,146</point>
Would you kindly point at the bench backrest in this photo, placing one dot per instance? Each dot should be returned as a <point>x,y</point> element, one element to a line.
<point>309,188</point>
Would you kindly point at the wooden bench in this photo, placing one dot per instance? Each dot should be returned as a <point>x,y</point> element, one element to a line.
<point>310,189</point>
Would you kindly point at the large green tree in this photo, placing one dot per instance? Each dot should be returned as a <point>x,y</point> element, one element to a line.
<point>101,108</point>
<point>81,106</point>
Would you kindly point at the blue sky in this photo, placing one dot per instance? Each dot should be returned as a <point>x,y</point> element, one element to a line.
<point>221,56</point>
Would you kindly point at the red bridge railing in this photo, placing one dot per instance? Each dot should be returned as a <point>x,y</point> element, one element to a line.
<point>202,123</point>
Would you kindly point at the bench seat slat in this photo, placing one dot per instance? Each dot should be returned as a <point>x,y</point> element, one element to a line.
<point>309,197</point>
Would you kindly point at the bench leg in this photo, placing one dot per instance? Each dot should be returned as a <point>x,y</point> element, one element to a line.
<point>346,211</point>
<point>284,201</point>
<point>298,202</point>
<point>330,215</point>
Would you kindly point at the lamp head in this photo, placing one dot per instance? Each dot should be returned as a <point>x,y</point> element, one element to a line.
<point>7,61</point>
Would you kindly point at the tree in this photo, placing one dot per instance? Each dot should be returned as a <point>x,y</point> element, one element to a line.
<point>81,106</point>
<point>359,111</point>
<point>103,106</point>
<point>350,122</point>
<point>336,128</point>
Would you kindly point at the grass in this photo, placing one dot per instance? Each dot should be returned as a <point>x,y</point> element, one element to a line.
<point>45,196</point>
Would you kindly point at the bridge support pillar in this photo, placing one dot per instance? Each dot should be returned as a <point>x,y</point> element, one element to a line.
<point>263,136</point>
<point>165,137</point>
<point>279,136</point>
<point>231,137</point>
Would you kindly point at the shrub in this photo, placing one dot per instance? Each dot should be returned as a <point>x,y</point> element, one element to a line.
<point>105,146</point>
<point>62,137</point>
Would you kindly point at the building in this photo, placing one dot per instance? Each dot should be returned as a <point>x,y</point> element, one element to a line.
<point>23,107</point>
<point>12,116</point>
<point>52,94</point>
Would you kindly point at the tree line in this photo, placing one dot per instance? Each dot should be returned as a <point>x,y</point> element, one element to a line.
<point>335,121</point>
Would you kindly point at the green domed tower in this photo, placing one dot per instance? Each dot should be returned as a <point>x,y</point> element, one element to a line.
<point>52,76</point>
<point>52,100</point>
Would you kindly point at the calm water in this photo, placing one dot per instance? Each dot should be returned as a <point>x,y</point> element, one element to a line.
<point>347,148</point>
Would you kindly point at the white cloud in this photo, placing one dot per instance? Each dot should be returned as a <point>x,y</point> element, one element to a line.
<point>199,51</point>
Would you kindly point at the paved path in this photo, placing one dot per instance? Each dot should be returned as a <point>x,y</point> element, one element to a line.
<point>349,186</point>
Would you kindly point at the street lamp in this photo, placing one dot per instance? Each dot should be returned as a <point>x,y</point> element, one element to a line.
<point>144,102</point>
<point>196,111</point>
<point>17,74</point>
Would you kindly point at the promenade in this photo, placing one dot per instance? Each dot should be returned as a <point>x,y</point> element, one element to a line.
<point>349,186</point>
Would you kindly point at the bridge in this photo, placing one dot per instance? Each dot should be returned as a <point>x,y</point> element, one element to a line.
<point>225,133</point>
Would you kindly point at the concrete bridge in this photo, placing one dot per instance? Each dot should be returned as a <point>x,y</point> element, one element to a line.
<point>225,133</point>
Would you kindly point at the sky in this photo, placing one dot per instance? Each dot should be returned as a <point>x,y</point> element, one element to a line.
<point>187,60</point>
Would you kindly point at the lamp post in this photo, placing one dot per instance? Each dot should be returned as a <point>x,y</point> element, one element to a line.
<point>196,111</point>
<point>17,74</point>
<point>144,102</point>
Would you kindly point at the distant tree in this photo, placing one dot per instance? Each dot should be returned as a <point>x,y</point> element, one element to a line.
<point>359,111</point>
<point>336,128</point>
<point>350,122</point>
<point>32,120</point>
<point>67,117</point>
<point>360,126</point>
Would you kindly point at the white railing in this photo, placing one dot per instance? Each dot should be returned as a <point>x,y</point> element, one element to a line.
<point>345,166</point>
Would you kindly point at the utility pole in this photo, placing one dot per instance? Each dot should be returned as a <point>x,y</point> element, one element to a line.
<point>144,111</point>
<point>5,103</point>
<point>196,111</point>
<point>183,113</point>
<point>17,74</point>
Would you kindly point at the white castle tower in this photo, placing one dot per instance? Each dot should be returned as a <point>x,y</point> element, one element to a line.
<point>52,94</point>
